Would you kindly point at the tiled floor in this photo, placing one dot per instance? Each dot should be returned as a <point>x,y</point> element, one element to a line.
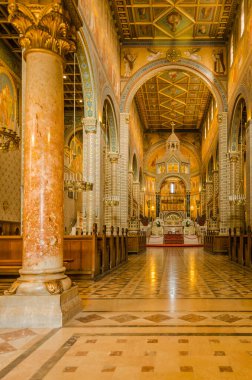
<point>169,314</point>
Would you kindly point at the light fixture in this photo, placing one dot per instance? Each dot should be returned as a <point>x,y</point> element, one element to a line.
<point>74,182</point>
<point>239,198</point>
<point>9,139</point>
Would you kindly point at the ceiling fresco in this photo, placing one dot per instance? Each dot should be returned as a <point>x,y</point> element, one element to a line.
<point>173,97</point>
<point>166,19</point>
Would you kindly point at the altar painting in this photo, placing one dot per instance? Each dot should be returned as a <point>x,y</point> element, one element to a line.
<point>8,102</point>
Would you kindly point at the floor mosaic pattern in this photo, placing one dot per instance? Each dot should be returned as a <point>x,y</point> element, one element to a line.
<point>168,314</point>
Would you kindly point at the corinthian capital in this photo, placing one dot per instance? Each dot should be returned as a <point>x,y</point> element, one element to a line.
<point>42,26</point>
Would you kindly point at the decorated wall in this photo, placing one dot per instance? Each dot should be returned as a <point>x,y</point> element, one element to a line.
<point>10,182</point>
<point>136,135</point>
<point>133,58</point>
<point>10,161</point>
<point>104,36</point>
<point>240,70</point>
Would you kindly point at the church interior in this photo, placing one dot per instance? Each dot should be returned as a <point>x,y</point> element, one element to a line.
<point>125,178</point>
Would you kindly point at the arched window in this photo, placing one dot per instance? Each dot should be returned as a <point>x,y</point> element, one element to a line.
<point>242,19</point>
<point>231,50</point>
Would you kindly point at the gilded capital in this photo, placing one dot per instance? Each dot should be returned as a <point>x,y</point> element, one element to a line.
<point>114,157</point>
<point>89,124</point>
<point>233,156</point>
<point>42,26</point>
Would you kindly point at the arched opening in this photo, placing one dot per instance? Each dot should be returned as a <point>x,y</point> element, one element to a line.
<point>238,182</point>
<point>110,180</point>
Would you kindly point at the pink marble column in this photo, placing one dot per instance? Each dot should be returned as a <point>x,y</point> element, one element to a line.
<point>43,172</point>
<point>44,30</point>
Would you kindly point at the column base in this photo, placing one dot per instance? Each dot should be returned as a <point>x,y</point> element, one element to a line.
<point>45,311</point>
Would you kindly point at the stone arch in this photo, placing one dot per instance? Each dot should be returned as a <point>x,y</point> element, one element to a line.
<point>235,120</point>
<point>87,77</point>
<point>88,85</point>
<point>112,128</point>
<point>135,167</point>
<point>155,67</point>
<point>172,175</point>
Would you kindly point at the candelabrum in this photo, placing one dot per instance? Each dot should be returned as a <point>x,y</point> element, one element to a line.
<point>73,182</point>
<point>237,199</point>
<point>112,200</point>
<point>9,139</point>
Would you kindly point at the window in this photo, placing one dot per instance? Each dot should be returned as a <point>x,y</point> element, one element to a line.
<point>242,23</point>
<point>172,188</point>
<point>231,50</point>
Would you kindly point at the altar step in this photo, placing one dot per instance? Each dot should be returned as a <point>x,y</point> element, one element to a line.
<point>171,240</point>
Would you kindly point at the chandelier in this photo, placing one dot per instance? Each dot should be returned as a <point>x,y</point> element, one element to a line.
<point>9,139</point>
<point>73,182</point>
<point>112,200</point>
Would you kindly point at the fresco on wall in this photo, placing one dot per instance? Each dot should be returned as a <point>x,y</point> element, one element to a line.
<point>8,101</point>
<point>104,37</point>
<point>213,59</point>
<point>136,134</point>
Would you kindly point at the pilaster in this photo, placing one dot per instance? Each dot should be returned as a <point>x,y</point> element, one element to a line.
<point>124,163</point>
<point>223,195</point>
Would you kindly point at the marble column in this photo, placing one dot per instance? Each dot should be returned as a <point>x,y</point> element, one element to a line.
<point>130,194</point>
<point>90,127</point>
<point>157,205</point>
<point>233,158</point>
<point>124,167</point>
<point>223,174</point>
<point>114,157</point>
<point>203,201</point>
<point>42,273</point>
<point>215,198</point>
<point>188,201</point>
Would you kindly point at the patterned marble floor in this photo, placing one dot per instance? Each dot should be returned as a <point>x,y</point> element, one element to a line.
<point>168,314</point>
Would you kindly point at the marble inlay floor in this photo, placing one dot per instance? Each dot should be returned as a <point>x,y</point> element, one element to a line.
<point>168,314</point>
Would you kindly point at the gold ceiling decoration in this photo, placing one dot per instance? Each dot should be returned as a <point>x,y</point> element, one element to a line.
<point>173,96</point>
<point>173,55</point>
<point>167,19</point>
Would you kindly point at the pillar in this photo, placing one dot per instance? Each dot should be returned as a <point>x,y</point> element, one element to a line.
<point>233,158</point>
<point>188,196</point>
<point>90,127</point>
<point>249,172</point>
<point>43,295</point>
<point>223,173</point>
<point>114,157</point>
<point>157,205</point>
<point>215,198</point>
<point>124,165</point>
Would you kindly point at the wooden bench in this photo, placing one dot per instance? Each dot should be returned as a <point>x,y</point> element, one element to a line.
<point>13,266</point>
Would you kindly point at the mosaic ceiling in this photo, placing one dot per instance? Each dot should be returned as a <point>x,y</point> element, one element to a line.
<point>173,97</point>
<point>180,20</point>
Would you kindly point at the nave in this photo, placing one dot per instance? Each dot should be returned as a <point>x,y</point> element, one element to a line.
<point>169,313</point>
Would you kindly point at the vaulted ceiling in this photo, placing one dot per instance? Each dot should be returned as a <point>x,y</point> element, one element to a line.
<point>172,97</point>
<point>168,20</point>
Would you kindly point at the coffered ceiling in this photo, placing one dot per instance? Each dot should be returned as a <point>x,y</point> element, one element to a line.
<point>173,97</point>
<point>143,20</point>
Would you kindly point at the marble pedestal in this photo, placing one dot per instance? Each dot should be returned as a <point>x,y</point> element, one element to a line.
<point>50,311</point>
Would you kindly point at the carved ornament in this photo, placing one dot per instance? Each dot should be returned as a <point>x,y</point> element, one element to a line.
<point>42,26</point>
<point>89,124</point>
